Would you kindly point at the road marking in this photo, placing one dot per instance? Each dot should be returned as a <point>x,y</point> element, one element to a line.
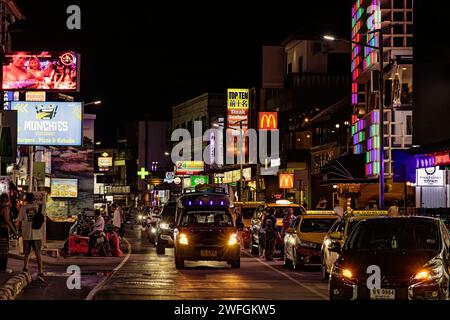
<point>98,287</point>
<point>289,277</point>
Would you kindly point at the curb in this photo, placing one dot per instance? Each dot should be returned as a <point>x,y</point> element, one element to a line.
<point>14,286</point>
<point>67,261</point>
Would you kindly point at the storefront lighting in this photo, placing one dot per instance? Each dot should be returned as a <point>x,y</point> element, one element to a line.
<point>337,125</point>
<point>335,186</point>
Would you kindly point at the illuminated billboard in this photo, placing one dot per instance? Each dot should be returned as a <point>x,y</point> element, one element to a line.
<point>268,121</point>
<point>105,161</point>
<point>64,188</point>
<point>286,180</point>
<point>50,71</point>
<point>49,123</point>
<point>238,101</point>
<point>189,167</point>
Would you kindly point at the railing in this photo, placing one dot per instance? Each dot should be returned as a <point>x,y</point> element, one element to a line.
<point>316,81</point>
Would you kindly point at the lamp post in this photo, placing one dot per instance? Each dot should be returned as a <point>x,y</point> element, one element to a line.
<point>241,148</point>
<point>381,98</point>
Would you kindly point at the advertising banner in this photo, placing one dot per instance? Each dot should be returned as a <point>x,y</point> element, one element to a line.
<point>49,123</point>
<point>238,103</point>
<point>189,167</point>
<point>268,121</point>
<point>49,71</point>
<point>196,180</point>
<point>64,188</point>
<point>286,180</point>
<point>430,177</point>
<point>105,161</point>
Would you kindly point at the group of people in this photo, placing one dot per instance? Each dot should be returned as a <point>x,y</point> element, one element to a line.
<point>30,222</point>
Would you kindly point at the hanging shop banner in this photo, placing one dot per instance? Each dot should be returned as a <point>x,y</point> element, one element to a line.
<point>64,188</point>
<point>238,101</point>
<point>49,123</point>
<point>197,180</point>
<point>49,71</point>
<point>430,177</point>
<point>35,96</point>
<point>189,167</point>
<point>235,175</point>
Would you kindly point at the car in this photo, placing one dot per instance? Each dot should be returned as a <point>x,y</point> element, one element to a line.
<point>248,209</point>
<point>150,222</point>
<point>165,227</point>
<point>304,238</point>
<point>388,258</point>
<point>340,232</point>
<point>205,229</point>
<point>281,206</point>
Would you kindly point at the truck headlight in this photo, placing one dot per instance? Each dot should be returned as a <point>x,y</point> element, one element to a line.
<point>183,239</point>
<point>233,239</point>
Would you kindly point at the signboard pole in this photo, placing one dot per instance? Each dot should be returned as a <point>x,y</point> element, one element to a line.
<point>30,160</point>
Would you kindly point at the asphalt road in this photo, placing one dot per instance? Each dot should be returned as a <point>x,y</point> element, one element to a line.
<point>145,275</point>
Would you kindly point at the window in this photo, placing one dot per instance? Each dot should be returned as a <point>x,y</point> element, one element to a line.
<point>207,218</point>
<point>409,125</point>
<point>398,29</point>
<point>409,42</point>
<point>316,225</point>
<point>398,4</point>
<point>387,42</point>
<point>409,16</point>
<point>398,16</point>
<point>361,87</point>
<point>409,29</point>
<point>409,4</point>
<point>398,41</point>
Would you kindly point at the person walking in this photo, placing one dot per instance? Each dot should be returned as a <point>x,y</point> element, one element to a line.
<point>99,226</point>
<point>239,222</point>
<point>30,223</point>
<point>270,228</point>
<point>6,226</point>
<point>338,209</point>
<point>117,218</point>
<point>393,209</point>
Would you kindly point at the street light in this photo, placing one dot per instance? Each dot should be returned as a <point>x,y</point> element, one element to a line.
<point>387,25</point>
<point>97,102</point>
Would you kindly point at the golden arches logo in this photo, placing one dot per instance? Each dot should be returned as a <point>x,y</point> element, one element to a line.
<point>268,121</point>
<point>286,181</point>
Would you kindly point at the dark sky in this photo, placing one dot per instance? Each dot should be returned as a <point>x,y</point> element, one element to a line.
<point>144,59</point>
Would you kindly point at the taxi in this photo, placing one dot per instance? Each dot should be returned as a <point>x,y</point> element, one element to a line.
<point>281,207</point>
<point>248,209</point>
<point>205,229</point>
<point>339,232</point>
<point>304,238</point>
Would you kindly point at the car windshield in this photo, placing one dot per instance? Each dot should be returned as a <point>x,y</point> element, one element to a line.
<point>394,234</point>
<point>207,218</point>
<point>316,225</point>
<point>247,213</point>
<point>168,214</point>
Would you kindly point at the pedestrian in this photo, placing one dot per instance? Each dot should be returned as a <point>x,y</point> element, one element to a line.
<point>6,226</point>
<point>270,228</point>
<point>30,223</point>
<point>338,209</point>
<point>117,218</point>
<point>99,226</point>
<point>239,222</point>
<point>393,209</point>
<point>262,236</point>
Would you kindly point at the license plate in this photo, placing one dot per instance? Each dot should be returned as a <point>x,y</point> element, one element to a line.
<point>382,294</point>
<point>208,253</point>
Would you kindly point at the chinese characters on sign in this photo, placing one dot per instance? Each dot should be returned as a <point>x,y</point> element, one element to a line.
<point>238,101</point>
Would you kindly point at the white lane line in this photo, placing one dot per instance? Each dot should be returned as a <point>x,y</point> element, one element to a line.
<point>289,277</point>
<point>98,287</point>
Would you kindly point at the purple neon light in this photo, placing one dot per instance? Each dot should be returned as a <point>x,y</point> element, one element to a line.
<point>210,202</point>
<point>200,202</point>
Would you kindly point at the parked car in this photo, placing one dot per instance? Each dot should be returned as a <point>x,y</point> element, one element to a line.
<point>411,255</point>
<point>304,238</point>
<point>165,227</point>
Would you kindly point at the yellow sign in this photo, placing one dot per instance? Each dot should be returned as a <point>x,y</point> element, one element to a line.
<point>268,120</point>
<point>369,212</point>
<point>105,161</point>
<point>320,212</point>
<point>238,98</point>
<point>35,96</point>
<point>286,180</point>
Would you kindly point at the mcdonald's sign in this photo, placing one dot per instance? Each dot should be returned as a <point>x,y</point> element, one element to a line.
<point>268,120</point>
<point>286,180</point>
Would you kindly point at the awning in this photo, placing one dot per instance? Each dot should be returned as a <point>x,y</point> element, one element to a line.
<point>441,146</point>
<point>348,168</point>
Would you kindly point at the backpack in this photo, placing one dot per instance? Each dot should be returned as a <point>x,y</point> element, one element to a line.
<point>38,219</point>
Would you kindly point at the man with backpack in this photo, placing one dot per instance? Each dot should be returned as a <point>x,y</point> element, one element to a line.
<point>31,220</point>
<point>270,228</point>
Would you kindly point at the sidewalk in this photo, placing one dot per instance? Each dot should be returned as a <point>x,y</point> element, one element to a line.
<point>12,284</point>
<point>51,256</point>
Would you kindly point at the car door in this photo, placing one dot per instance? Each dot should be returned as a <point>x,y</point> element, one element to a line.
<point>291,239</point>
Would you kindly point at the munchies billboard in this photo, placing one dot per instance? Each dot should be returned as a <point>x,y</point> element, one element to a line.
<point>49,123</point>
<point>46,70</point>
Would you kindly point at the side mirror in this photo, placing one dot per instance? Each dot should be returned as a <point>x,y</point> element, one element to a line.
<point>335,246</point>
<point>335,235</point>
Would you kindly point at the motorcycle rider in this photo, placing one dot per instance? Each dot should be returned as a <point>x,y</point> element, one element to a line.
<point>99,227</point>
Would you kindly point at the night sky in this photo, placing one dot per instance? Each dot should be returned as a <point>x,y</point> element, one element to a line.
<point>144,59</point>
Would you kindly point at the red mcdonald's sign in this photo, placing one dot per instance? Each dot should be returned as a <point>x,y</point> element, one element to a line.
<point>268,120</point>
<point>286,180</point>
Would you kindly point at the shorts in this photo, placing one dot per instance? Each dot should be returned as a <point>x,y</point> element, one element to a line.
<point>35,244</point>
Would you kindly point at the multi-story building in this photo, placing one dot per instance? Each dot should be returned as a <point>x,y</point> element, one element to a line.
<point>367,17</point>
<point>301,78</point>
